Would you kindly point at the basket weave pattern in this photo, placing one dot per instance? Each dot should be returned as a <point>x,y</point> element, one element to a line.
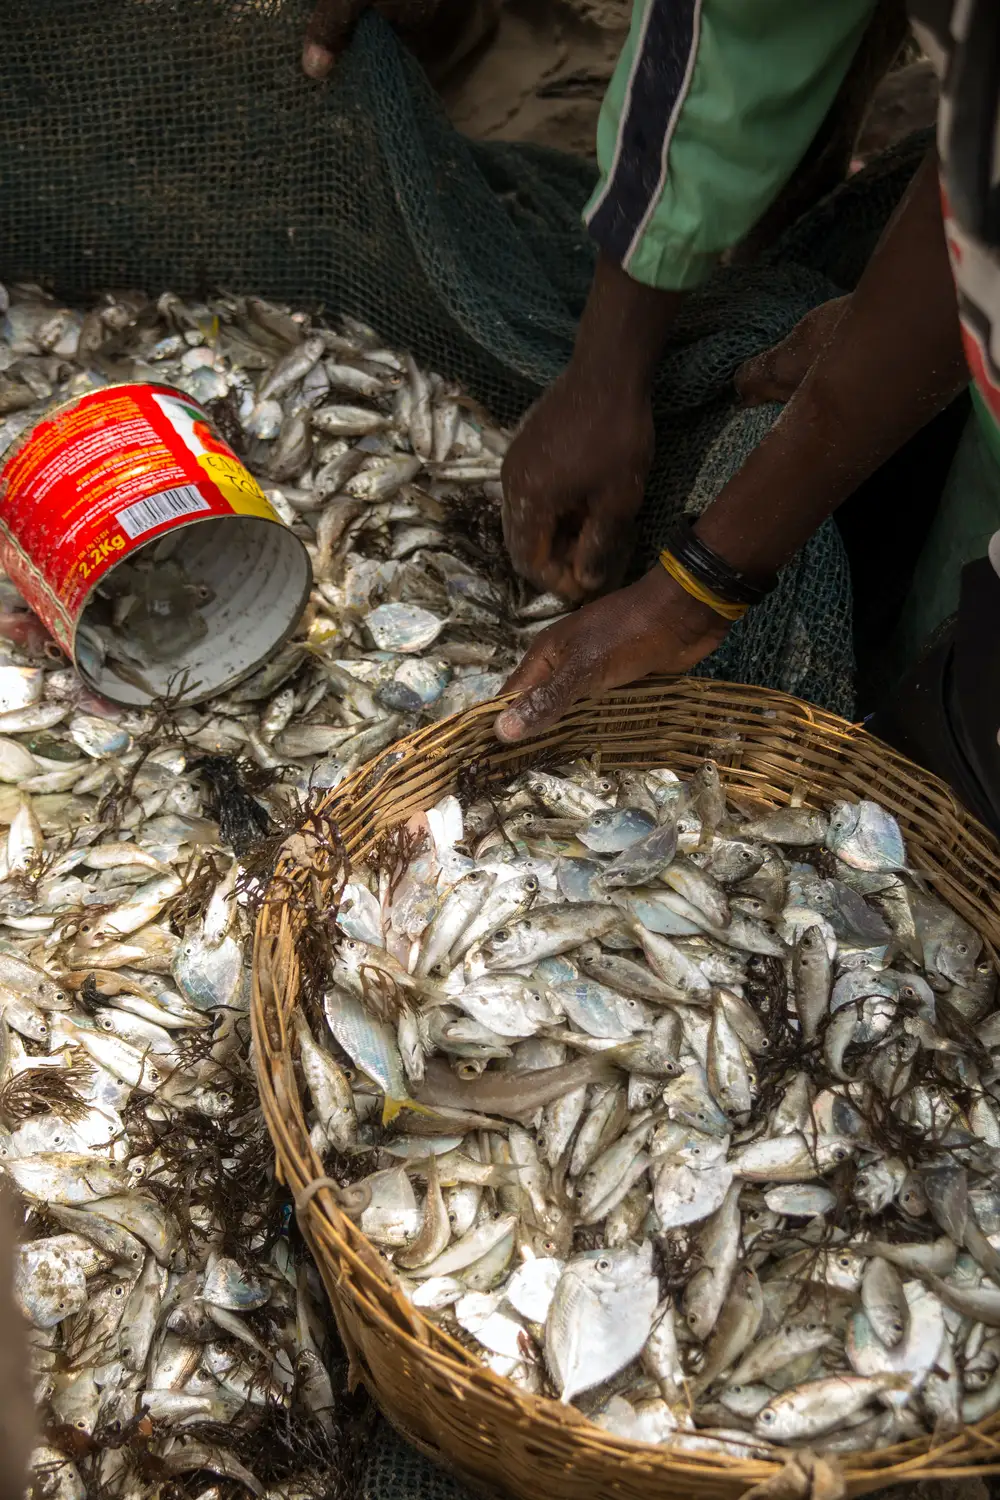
<point>768,747</point>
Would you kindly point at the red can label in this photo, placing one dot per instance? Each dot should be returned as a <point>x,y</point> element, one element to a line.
<point>100,478</point>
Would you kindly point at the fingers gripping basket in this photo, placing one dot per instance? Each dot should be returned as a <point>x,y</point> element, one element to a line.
<point>768,746</point>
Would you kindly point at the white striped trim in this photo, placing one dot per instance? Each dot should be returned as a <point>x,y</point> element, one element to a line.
<point>675,115</point>
<point>626,103</point>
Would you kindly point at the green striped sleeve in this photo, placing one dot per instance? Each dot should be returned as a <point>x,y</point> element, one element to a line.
<point>710,109</point>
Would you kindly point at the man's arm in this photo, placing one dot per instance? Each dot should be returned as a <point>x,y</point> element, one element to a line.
<point>893,359</point>
<point>710,109</point>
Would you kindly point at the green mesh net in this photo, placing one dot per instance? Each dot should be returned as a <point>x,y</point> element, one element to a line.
<point>175,143</point>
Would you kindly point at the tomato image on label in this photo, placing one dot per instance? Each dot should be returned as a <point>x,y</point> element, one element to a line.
<point>215,457</point>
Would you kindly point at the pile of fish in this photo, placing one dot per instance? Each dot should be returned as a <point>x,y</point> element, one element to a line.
<point>681,1110</point>
<point>390,477</point>
<point>176,1324</point>
<point>176,1328</point>
<point>687,1109</point>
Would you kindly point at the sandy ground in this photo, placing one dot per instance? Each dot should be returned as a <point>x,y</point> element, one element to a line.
<point>543,75</point>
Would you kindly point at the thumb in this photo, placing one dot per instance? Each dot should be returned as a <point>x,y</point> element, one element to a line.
<point>543,704</point>
<point>537,664</point>
<point>601,542</point>
<point>534,668</point>
<point>328,33</point>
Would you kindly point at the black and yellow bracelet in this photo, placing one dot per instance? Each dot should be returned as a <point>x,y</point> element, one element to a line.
<point>697,590</point>
<point>707,577</point>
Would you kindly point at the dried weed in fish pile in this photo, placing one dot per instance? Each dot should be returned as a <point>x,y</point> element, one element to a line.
<point>232,781</point>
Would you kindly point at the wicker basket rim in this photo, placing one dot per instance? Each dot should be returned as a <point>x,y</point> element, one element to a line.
<point>416,760</point>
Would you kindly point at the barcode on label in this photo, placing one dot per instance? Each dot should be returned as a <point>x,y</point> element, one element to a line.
<point>135,520</point>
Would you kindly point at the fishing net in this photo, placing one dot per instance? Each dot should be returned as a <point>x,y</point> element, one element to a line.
<point>175,143</point>
<point>156,143</point>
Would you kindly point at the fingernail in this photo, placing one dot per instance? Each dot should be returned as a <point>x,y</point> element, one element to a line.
<point>508,725</point>
<point>316,60</point>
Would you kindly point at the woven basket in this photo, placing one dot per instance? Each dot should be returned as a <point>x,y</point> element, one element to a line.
<point>768,746</point>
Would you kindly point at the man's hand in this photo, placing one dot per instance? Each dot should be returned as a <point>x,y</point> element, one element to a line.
<point>332,22</point>
<point>574,475</point>
<point>652,626</point>
<point>573,481</point>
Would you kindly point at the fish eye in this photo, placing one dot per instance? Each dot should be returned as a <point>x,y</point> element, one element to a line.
<point>983,967</point>
<point>119,1291</point>
<point>550,1247</point>
<point>603,1263</point>
<point>764,1044</point>
<point>501,935</point>
<point>696,1151</point>
<point>701,1115</point>
<point>692,1319</point>
<point>452,1217</point>
<point>962,948</point>
<point>840,1153</point>
<point>531,883</point>
<point>812,1327</point>
<point>844,1262</point>
<point>754,1213</point>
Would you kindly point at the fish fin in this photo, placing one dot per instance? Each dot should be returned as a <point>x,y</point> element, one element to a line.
<point>392,1107</point>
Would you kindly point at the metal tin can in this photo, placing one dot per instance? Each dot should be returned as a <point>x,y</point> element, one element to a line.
<point>134,475</point>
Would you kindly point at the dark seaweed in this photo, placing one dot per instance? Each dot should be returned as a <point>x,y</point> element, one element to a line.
<point>232,781</point>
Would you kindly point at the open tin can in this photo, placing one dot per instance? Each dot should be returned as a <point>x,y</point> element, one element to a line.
<point>124,505</point>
